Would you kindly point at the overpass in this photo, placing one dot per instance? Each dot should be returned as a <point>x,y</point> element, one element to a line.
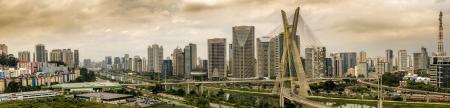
<point>315,80</point>
<point>304,101</point>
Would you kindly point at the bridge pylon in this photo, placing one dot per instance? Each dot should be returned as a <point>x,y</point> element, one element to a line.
<point>291,77</point>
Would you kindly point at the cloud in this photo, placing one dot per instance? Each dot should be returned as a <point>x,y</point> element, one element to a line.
<point>208,6</point>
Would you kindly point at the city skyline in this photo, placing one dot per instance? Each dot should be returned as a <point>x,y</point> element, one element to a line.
<point>225,53</point>
<point>135,25</point>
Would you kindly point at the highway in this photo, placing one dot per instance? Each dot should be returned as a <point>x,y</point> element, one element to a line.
<point>316,80</point>
<point>405,89</point>
<point>304,101</point>
<point>298,99</point>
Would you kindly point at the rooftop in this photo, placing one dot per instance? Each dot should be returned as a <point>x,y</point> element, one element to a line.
<point>105,84</point>
<point>105,96</point>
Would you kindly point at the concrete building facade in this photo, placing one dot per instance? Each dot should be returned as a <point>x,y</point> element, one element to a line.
<point>178,62</point>
<point>217,58</point>
<point>243,52</point>
<point>41,55</point>
<point>24,56</point>
<point>263,58</point>
<point>190,59</point>
<point>155,58</point>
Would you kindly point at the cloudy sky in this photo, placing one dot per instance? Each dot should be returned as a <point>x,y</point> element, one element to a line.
<point>100,28</point>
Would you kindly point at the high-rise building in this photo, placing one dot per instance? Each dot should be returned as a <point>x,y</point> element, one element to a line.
<point>362,57</point>
<point>145,65</point>
<point>243,61</point>
<point>361,68</point>
<point>46,55</point>
<point>68,58</point>
<point>41,53</point>
<point>319,62</point>
<point>349,60</point>
<point>217,58</point>
<point>126,62</point>
<point>87,63</point>
<point>108,62</point>
<point>137,64</point>
<point>389,60</point>
<point>166,69</point>
<point>193,55</point>
<point>425,57</point>
<point>116,64</point>
<point>440,49</point>
<point>122,63</point>
<point>342,62</point>
<point>309,62</point>
<point>34,57</point>
<point>402,60</point>
<point>336,64</point>
<point>230,60</point>
<point>263,48</point>
<point>205,65</point>
<point>3,49</point>
<point>178,62</point>
<point>275,53</point>
<point>420,60</point>
<point>56,55</point>
<point>200,63</point>
<point>380,65</point>
<point>130,64</point>
<point>439,71</point>
<point>328,67</point>
<point>24,56</point>
<point>155,57</point>
<point>76,57</point>
<point>190,59</point>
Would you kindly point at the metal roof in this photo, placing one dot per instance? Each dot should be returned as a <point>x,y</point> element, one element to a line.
<point>105,96</point>
<point>87,85</point>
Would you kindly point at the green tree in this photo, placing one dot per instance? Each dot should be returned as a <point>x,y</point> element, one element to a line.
<point>193,93</point>
<point>180,92</point>
<point>397,98</point>
<point>392,79</point>
<point>8,60</point>
<point>13,87</point>
<point>86,76</point>
<point>58,63</point>
<point>329,85</point>
<point>220,93</point>
<point>158,89</point>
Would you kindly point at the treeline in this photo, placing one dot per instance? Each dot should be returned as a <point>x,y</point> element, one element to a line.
<point>8,60</point>
<point>85,76</point>
<point>393,79</point>
<point>56,102</point>
<point>18,87</point>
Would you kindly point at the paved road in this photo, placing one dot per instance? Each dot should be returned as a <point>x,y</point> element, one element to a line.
<point>405,89</point>
<point>214,105</point>
<point>241,91</point>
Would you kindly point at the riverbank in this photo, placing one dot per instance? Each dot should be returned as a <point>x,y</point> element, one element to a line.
<point>339,102</point>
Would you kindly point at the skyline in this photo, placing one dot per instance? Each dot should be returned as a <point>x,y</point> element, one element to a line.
<point>136,25</point>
